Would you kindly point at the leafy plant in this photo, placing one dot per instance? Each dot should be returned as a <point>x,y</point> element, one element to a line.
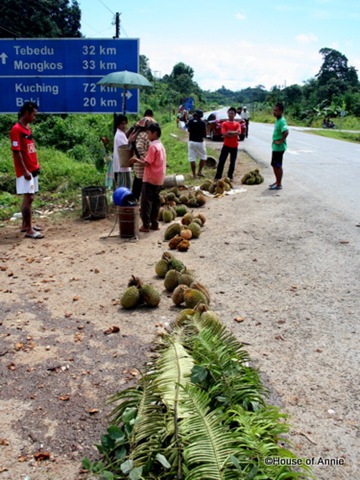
<point>198,412</point>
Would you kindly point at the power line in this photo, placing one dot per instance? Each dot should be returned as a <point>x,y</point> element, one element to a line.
<point>107,7</point>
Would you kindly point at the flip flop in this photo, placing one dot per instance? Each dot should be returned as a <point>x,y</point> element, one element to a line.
<point>275,187</point>
<point>200,175</point>
<point>34,236</point>
<point>35,227</point>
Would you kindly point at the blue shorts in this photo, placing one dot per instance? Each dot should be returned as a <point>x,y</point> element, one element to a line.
<point>277,159</point>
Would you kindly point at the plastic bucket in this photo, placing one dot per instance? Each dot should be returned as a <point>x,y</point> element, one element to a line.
<point>173,181</point>
<point>211,162</point>
<point>124,155</point>
<point>94,203</point>
<point>129,222</point>
<point>123,197</point>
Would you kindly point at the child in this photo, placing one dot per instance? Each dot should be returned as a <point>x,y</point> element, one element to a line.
<point>154,174</point>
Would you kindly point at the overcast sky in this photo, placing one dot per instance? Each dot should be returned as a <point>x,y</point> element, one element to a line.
<point>233,43</point>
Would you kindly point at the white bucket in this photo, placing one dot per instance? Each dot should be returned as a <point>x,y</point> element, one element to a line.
<point>173,181</point>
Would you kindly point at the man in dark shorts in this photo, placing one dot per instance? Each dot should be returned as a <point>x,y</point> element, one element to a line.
<point>279,145</point>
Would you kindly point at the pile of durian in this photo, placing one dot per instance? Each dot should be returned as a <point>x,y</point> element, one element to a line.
<point>138,293</point>
<point>217,187</point>
<point>181,282</point>
<point>252,178</point>
<point>180,234</point>
<point>176,203</point>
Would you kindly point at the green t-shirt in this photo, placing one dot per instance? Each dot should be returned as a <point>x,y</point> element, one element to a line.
<point>279,128</point>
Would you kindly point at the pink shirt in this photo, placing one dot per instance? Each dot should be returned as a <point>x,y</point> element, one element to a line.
<point>155,166</point>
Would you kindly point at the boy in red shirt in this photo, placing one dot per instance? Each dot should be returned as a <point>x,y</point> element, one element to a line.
<point>26,165</point>
<point>230,130</point>
<point>153,179</point>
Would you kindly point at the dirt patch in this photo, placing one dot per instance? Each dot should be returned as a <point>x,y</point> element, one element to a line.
<point>282,273</point>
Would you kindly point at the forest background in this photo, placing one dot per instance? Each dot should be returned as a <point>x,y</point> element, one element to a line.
<point>69,147</point>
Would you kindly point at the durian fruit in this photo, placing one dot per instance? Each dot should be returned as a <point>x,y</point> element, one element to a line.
<point>193,297</point>
<point>167,215</point>
<point>184,198</point>
<point>176,264</point>
<point>218,191</point>
<point>162,200</point>
<point>210,316</point>
<point>150,296</point>
<point>130,298</point>
<point>161,267</point>
<point>201,199</point>
<point>171,280</point>
<point>195,229</point>
<point>212,188</point>
<point>178,294</point>
<point>170,196</point>
<point>202,217</point>
<point>197,220</point>
<point>174,242</point>
<point>206,185</point>
<point>181,210</point>
<point>186,278</point>
<point>187,218</point>
<point>245,177</point>
<point>250,181</point>
<point>172,230</point>
<point>183,316</point>
<point>227,187</point>
<point>220,183</point>
<point>192,202</point>
<point>186,233</point>
<point>184,245</point>
<point>199,286</point>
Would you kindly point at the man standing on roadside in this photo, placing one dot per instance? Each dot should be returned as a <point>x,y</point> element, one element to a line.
<point>279,145</point>
<point>196,145</point>
<point>245,115</point>
<point>26,165</point>
<point>230,131</point>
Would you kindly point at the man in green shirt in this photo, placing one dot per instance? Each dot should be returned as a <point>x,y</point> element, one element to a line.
<point>279,146</point>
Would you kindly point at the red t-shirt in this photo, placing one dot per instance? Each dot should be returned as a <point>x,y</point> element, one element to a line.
<point>22,141</point>
<point>227,126</point>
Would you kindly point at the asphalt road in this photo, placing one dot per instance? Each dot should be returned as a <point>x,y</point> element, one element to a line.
<point>328,170</point>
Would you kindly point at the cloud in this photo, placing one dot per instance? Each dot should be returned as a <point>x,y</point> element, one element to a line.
<point>240,16</point>
<point>306,38</point>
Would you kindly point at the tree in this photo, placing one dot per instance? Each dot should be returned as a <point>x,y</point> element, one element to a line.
<point>145,67</point>
<point>40,19</point>
<point>335,77</point>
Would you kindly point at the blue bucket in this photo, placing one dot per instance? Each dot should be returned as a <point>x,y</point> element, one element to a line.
<point>123,197</point>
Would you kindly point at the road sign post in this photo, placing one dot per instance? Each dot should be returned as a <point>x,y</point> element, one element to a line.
<point>60,75</point>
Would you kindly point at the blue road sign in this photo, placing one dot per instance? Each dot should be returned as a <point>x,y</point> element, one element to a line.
<point>60,75</point>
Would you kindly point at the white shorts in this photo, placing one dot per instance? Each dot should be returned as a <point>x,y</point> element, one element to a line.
<point>196,150</point>
<point>27,186</point>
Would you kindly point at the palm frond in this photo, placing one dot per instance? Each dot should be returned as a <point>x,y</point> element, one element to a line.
<point>173,369</point>
<point>207,445</point>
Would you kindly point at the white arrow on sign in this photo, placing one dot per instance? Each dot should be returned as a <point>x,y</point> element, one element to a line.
<point>3,57</point>
<point>127,94</point>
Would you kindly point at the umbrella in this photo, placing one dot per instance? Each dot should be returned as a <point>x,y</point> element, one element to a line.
<point>124,80</point>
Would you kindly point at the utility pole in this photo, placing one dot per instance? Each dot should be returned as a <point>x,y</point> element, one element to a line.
<point>117,25</point>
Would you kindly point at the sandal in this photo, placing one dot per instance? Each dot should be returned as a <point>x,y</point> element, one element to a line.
<point>200,175</point>
<point>275,187</point>
<point>144,229</point>
<point>34,236</point>
<point>35,227</point>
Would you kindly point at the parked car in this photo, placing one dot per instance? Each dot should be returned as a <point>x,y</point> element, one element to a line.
<point>214,120</point>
